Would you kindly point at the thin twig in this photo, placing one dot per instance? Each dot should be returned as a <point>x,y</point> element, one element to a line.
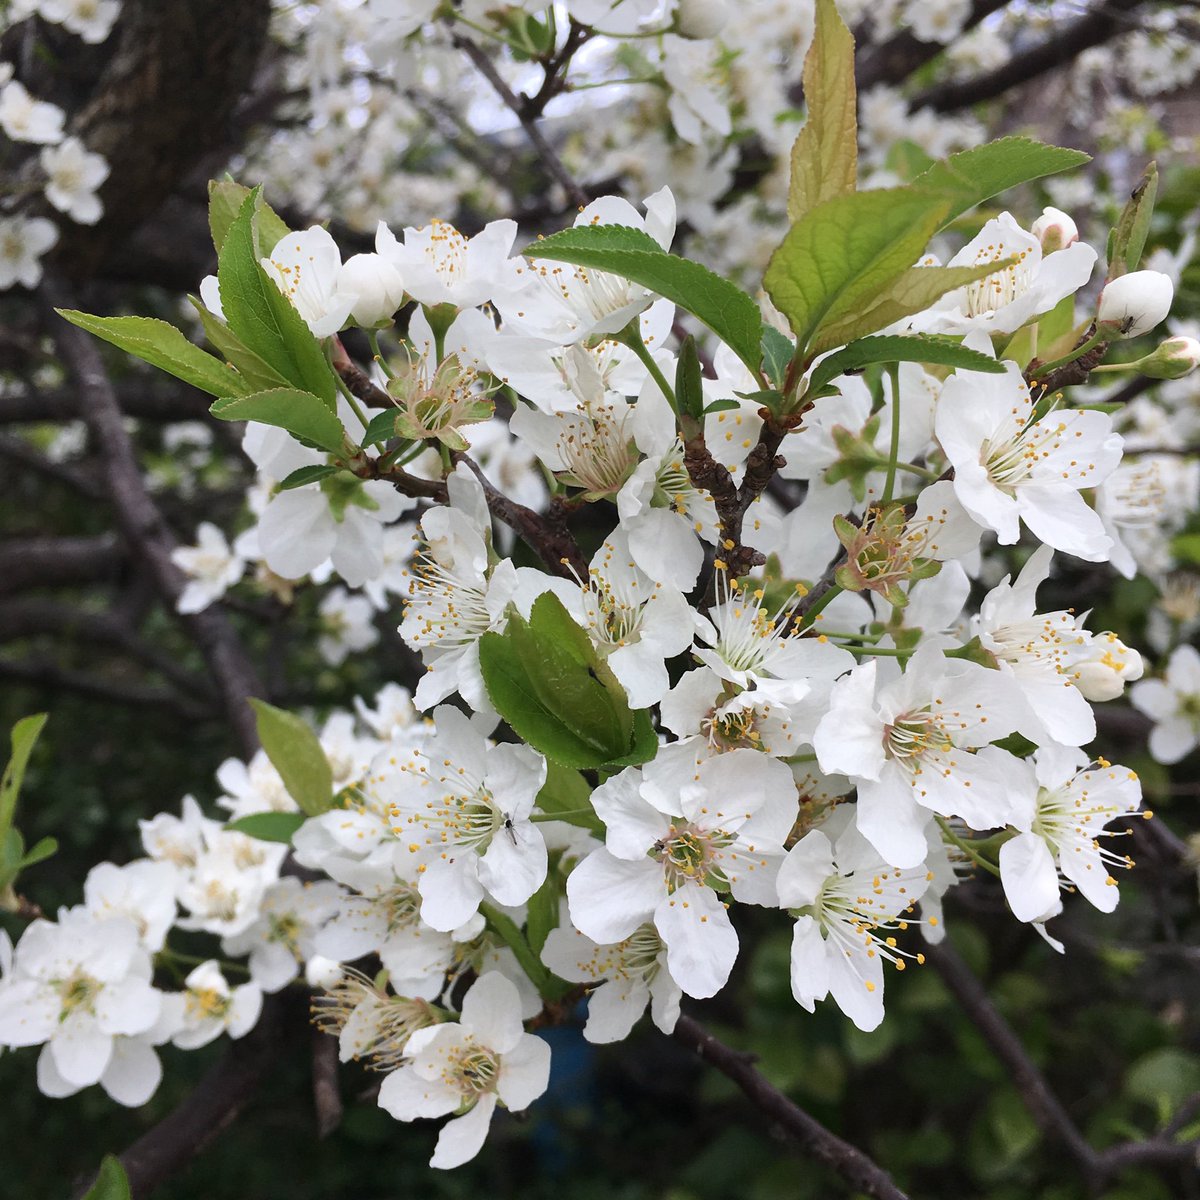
<point>849,1162</point>
<point>144,528</point>
<point>528,119</point>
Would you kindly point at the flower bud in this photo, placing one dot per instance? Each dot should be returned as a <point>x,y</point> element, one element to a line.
<point>1172,359</point>
<point>1133,304</point>
<point>378,286</point>
<point>701,19</point>
<point>1055,230</point>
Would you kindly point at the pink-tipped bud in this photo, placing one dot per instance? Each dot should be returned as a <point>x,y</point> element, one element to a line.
<point>1172,359</point>
<point>1133,304</point>
<point>1055,230</point>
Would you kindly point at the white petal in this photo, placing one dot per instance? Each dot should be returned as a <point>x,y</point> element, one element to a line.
<point>491,1012</point>
<point>1029,876</point>
<point>134,1073</point>
<point>609,897</point>
<point>524,1072</point>
<point>463,1138</point>
<point>701,942</point>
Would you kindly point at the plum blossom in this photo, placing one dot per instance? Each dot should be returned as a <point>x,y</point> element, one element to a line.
<point>1010,466</point>
<point>73,175</point>
<point>1061,846</point>
<point>1012,296</point>
<point>671,846</point>
<point>919,745</point>
<point>74,987</point>
<point>629,975</point>
<point>1173,704</point>
<point>848,902</point>
<point>211,566</point>
<point>468,1067</point>
<point>307,269</point>
<point>208,1007</point>
<point>460,809</point>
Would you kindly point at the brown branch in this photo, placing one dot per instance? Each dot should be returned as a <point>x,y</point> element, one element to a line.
<point>1047,1111</point>
<point>213,1105</point>
<point>38,618</point>
<point>1065,44</point>
<point>145,530</point>
<point>547,535</point>
<point>894,60</point>
<point>849,1162</point>
<point>42,673</point>
<point>528,119</point>
<point>58,561</point>
<point>24,454</point>
<point>137,398</point>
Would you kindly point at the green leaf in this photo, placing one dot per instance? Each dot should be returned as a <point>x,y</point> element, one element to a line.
<point>301,413</point>
<point>968,178</point>
<point>381,427</point>
<point>295,752</point>
<point>645,743</point>
<point>1128,238</point>
<point>303,475</point>
<point>263,318</point>
<point>269,826</point>
<point>225,199</point>
<point>260,375</point>
<point>725,405</point>
<point>843,253</point>
<point>549,986</point>
<point>23,737</point>
<point>777,351</point>
<point>915,289</point>
<point>42,849</point>
<point>1164,1079</point>
<point>725,309</point>
<point>542,913</point>
<point>545,678</point>
<point>825,155</point>
<point>689,382</point>
<point>165,347</point>
<point>111,1181</point>
<point>567,796</point>
<point>941,351</point>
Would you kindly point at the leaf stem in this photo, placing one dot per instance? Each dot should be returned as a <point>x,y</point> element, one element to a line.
<point>631,336</point>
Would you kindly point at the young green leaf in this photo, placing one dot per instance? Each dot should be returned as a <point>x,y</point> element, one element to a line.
<point>1128,238</point>
<point>546,680</point>
<point>24,735</point>
<point>645,743</point>
<point>777,351</point>
<point>972,176</point>
<point>41,850</point>
<point>941,351</point>
<point>382,426</point>
<point>225,199</point>
<point>301,413</point>
<point>846,251</point>
<point>724,308</point>
<point>111,1181</point>
<point>269,826</point>
<point>542,912</point>
<point>258,374</point>
<point>825,155</point>
<point>914,290</point>
<point>305,475</point>
<point>263,318</point>
<point>689,383</point>
<point>165,347</point>
<point>567,796</point>
<point>295,752</point>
